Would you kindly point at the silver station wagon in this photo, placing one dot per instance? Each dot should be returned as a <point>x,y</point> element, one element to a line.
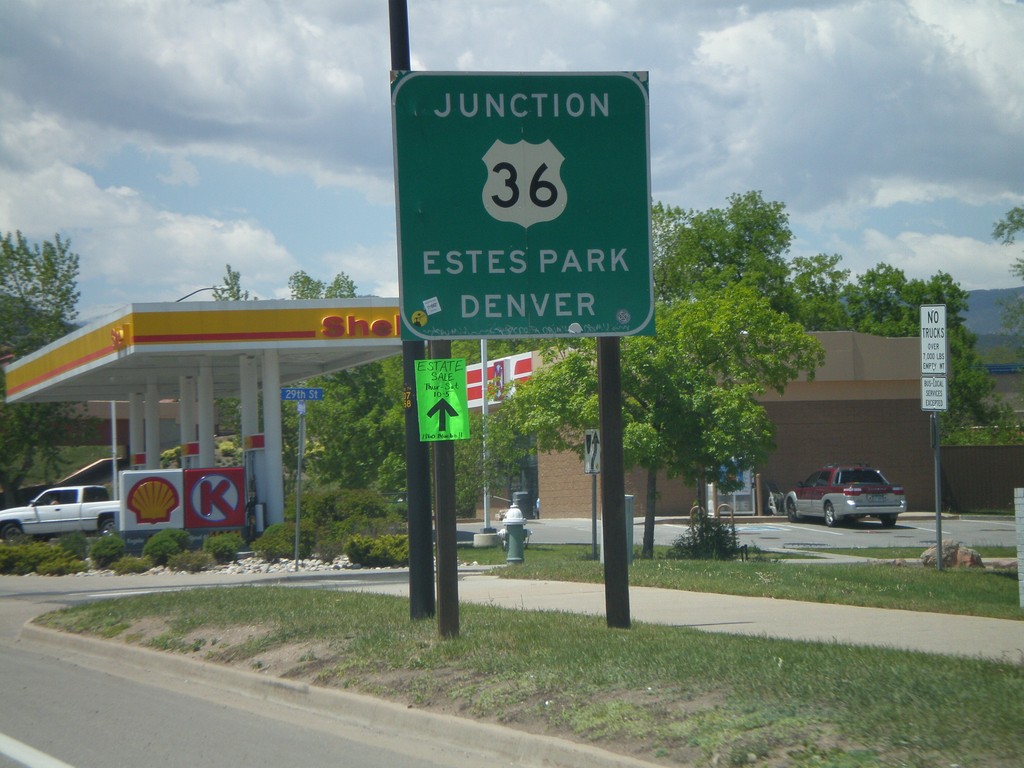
<point>840,492</point>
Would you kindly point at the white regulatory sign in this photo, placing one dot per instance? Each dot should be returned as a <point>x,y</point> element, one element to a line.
<point>933,393</point>
<point>933,340</point>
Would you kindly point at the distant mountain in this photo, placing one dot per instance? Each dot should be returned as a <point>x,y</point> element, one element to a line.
<point>984,317</point>
<point>985,313</point>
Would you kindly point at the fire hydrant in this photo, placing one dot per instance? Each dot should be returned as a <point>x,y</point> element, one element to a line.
<point>515,534</point>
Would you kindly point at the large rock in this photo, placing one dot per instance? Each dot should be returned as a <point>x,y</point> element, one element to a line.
<point>954,555</point>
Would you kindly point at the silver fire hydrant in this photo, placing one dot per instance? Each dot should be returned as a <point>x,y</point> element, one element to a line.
<point>515,534</point>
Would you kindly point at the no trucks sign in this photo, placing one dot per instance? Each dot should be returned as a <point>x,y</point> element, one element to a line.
<point>523,204</point>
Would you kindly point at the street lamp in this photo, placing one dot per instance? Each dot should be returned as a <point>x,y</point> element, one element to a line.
<point>197,290</point>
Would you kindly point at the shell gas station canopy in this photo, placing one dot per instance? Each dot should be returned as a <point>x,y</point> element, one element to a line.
<point>142,345</point>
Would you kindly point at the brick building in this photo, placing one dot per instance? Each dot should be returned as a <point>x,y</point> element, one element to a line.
<point>864,405</point>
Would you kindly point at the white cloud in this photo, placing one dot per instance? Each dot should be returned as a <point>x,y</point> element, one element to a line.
<point>181,172</point>
<point>845,110</point>
<point>972,263</point>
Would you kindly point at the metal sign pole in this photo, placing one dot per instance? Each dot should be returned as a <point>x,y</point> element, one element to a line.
<point>298,475</point>
<point>936,446</point>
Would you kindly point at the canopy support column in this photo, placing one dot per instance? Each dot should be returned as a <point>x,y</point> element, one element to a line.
<point>272,436</point>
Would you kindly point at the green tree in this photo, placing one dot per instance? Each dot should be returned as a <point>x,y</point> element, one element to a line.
<point>38,294</point>
<point>359,424</point>
<point>302,286</point>
<point>701,252</point>
<point>690,393</point>
<point>1006,231</point>
<point>231,290</point>
<point>818,283</point>
<point>885,303</point>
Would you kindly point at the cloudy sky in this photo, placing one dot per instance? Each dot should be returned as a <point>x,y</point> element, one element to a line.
<point>168,138</point>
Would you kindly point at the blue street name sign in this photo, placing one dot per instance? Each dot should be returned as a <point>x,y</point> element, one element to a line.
<point>302,393</point>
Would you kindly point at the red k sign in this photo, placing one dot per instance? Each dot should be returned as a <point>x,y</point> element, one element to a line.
<point>215,498</point>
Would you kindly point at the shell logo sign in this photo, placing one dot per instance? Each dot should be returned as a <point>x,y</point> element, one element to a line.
<point>151,499</point>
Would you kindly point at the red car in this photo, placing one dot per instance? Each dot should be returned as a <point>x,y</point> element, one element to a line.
<point>846,491</point>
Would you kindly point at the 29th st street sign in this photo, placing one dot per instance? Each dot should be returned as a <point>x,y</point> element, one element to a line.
<point>523,204</point>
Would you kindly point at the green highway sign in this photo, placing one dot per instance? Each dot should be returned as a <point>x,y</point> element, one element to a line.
<point>523,204</point>
<point>441,400</point>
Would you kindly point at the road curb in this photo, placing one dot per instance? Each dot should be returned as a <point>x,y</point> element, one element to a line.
<point>386,719</point>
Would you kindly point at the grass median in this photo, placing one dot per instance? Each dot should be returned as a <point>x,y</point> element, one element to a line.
<point>882,584</point>
<point>669,695</point>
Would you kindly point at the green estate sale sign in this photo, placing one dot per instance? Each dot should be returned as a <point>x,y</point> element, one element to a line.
<point>442,404</point>
<point>523,204</point>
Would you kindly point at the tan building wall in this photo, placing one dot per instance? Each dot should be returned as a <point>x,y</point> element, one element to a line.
<point>864,405</point>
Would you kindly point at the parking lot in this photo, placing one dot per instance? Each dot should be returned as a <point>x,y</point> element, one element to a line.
<point>912,530</point>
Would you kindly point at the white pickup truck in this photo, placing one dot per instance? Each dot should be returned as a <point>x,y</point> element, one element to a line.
<point>85,508</point>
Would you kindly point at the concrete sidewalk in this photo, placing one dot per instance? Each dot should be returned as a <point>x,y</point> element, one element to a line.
<point>972,636</point>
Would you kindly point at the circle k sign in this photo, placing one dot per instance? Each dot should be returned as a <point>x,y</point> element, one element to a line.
<point>215,498</point>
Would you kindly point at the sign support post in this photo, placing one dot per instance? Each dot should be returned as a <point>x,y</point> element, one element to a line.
<point>300,395</point>
<point>417,456</point>
<point>613,484</point>
<point>934,354</point>
<point>447,532</point>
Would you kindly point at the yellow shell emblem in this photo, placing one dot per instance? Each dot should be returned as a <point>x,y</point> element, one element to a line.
<point>152,500</point>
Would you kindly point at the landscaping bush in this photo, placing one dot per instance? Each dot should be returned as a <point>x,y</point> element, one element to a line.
<point>278,542</point>
<point>163,544</point>
<point>105,550</point>
<point>708,538</point>
<point>75,543</point>
<point>224,547</point>
<point>38,557</point>
<point>329,548</point>
<point>391,550</point>
<point>129,564</point>
<point>190,562</point>
<point>61,563</point>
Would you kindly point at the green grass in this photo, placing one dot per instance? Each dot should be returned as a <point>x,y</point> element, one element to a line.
<point>661,693</point>
<point>991,593</point>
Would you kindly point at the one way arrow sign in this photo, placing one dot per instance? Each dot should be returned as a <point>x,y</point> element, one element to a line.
<point>591,452</point>
<point>441,399</point>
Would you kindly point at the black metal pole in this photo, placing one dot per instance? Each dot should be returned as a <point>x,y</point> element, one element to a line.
<point>417,454</point>
<point>613,483</point>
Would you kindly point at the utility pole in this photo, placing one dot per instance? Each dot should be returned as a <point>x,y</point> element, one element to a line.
<point>417,456</point>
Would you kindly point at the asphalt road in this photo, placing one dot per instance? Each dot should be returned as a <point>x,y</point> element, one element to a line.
<point>88,712</point>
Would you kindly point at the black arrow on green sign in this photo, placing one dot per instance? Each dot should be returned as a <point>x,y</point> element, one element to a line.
<point>443,409</point>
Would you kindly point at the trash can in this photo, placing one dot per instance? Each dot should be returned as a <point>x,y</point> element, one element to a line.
<point>628,532</point>
<point>521,499</point>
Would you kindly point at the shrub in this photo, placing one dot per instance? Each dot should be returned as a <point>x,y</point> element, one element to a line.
<point>38,557</point>
<point>224,547</point>
<point>709,538</point>
<point>380,552</point>
<point>165,543</point>
<point>329,548</point>
<point>75,543</point>
<point>191,562</point>
<point>278,542</point>
<point>106,550</point>
<point>60,563</point>
<point>129,564</point>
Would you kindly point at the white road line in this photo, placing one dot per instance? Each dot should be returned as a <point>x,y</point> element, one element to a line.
<point>28,756</point>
